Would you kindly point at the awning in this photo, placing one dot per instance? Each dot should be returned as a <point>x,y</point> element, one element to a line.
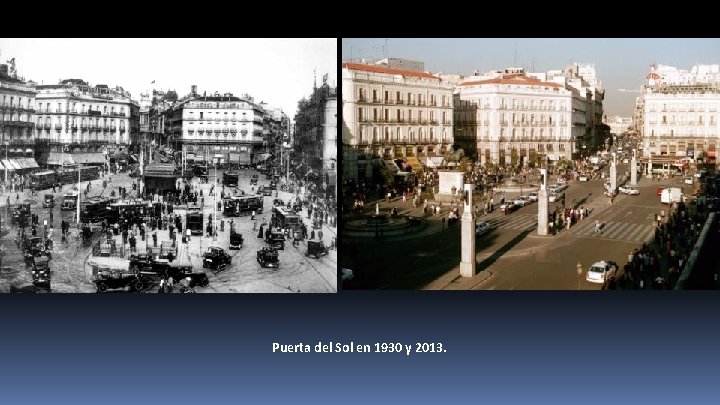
<point>22,163</point>
<point>85,158</point>
<point>434,161</point>
<point>2,166</point>
<point>7,165</point>
<point>33,164</point>
<point>28,150</point>
<point>414,163</point>
<point>56,158</point>
<point>15,164</point>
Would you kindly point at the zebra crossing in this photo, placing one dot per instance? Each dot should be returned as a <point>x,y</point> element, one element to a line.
<point>519,222</point>
<point>615,230</point>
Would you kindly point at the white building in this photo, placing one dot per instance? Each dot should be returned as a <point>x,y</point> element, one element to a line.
<point>618,125</point>
<point>17,113</point>
<point>681,112</point>
<point>513,119</point>
<point>73,112</point>
<point>218,128</point>
<point>393,113</point>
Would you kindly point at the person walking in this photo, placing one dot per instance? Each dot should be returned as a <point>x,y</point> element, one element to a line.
<point>597,226</point>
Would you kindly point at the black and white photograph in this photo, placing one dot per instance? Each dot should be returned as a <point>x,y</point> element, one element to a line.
<point>168,165</point>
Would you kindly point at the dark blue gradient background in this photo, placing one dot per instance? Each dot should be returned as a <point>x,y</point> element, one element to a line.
<point>502,348</point>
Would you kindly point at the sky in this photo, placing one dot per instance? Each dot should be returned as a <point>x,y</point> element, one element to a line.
<point>620,63</point>
<point>276,71</point>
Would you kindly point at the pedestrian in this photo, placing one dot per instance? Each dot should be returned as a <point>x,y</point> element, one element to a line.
<point>154,236</point>
<point>443,222</point>
<point>161,289</point>
<point>312,234</point>
<point>187,235</point>
<point>597,226</point>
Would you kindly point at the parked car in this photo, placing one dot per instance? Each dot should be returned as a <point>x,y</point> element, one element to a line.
<point>482,227</point>
<point>127,282</point>
<point>533,196</point>
<point>630,190</point>
<point>554,197</point>
<point>215,258</point>
<point>583,177</point>
<point>316,249</point>
<point>276,240</point>
<point>601,271</point>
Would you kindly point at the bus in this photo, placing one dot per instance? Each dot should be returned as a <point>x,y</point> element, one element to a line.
<point>242,205</point>
<point>230,179</point>
<point>43,180</point>
<point>94,209</point>
<point>284,218</point>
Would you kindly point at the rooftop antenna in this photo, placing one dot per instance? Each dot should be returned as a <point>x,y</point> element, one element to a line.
<point>515,57</point>
<point>314,80</point>
<point>533,64</point>
<point>385,48</point>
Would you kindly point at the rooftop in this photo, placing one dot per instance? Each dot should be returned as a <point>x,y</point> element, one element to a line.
<point>391,71</point>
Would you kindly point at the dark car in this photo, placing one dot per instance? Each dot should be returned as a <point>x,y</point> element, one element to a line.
<point>49,201</point>
<point>276,240</point>
<point>316,249</point>
<point>114,281</point>
<point>215,258</point>
<point>268,257</point>
<point>143,263</point>
<point>254,179</point>
<point>181,272</point>
<point>236,240</point>
<point>266,191</point>
<point>41,272</point>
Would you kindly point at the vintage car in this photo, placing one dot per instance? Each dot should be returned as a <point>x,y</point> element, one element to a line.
<point>266,191</point>
<point>276,240</point>
<point>254,179</point>
<point>116,280</point>
<point>180,272</point>
<point>21,215</point>
<point>142,263</point>
<point>216,258</point>
<point>49,201</point>
<point>236,240</point>
<point>41,272</point>
<point>316,249</point>
<point>277,202</point>
<point>268,257</point>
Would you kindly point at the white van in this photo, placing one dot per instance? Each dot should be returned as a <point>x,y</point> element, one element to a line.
<point>670,195</point>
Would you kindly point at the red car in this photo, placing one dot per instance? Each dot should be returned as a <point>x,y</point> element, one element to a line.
<point>658,191</point>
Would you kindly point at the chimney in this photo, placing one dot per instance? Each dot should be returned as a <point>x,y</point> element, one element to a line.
<point>193,90</point>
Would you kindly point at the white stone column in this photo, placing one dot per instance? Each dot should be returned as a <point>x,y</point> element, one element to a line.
<point>633,170</point>
<point>467,251</point>
<point>543,204</point>
<point>613,174</point>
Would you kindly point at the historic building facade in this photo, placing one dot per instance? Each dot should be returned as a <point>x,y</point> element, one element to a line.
<point>393,113</point>
<point>220,128</point>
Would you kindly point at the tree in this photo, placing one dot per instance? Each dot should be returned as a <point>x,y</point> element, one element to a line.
<point>386,175</point>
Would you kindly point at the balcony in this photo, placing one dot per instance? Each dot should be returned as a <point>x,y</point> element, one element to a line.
<point>45,126</point>
<point>57,126</point>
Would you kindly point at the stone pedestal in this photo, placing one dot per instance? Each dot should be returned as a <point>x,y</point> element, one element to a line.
<point>446,181</point>
<point>633,171</point>
<point>467,236</point>
<point>613,176</point>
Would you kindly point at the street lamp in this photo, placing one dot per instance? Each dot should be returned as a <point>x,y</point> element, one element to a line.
<point>579,273</point>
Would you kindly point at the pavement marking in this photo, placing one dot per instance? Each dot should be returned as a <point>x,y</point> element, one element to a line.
<point>626,231</point>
